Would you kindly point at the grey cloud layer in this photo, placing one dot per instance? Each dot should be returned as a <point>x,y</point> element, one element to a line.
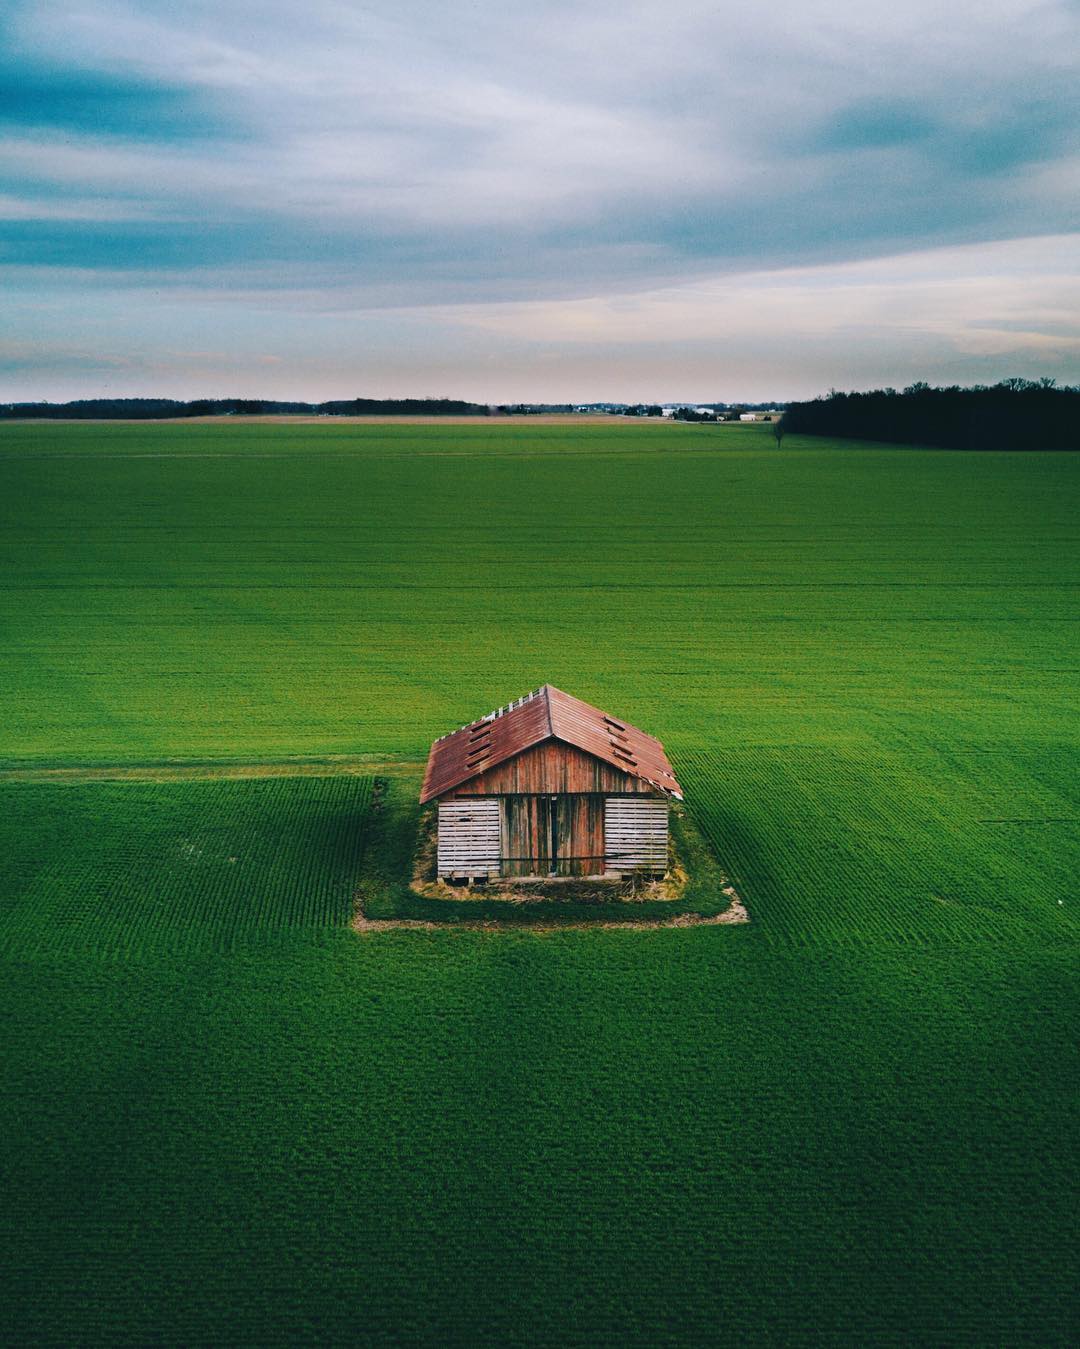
<point>405,154</point>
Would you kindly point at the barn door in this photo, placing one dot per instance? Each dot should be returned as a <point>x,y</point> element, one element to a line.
<point>577,835</point>
<point>552,835</point>
<point>526,836</point>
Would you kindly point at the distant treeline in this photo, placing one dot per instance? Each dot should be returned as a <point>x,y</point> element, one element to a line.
<point>1017,414</point>
<point>532,409</point>
<point>138,409</point>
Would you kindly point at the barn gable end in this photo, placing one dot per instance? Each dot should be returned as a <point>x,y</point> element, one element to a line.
<point>551,767</point>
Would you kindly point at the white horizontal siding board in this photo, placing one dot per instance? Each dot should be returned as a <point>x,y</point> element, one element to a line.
<point>635,833</point>
<point>468,837</point>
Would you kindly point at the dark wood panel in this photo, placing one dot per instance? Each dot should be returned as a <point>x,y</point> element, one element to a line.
<point>525,835</point>
<point>579,824</point>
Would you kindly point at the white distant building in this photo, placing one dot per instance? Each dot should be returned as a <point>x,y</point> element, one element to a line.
<point>748,416</point>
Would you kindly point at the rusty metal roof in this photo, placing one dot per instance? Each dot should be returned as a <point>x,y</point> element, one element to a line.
<point>546,713</point>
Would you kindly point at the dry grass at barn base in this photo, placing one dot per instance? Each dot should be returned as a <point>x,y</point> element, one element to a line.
<point>735,913</point>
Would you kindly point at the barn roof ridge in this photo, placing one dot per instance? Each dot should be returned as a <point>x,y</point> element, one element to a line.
<point>545,713</point>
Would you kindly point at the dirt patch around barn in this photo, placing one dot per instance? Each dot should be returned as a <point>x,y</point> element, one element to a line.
<point>734,913</point>
<point>401,892</point>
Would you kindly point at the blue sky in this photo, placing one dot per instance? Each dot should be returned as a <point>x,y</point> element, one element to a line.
<point>553,201</point>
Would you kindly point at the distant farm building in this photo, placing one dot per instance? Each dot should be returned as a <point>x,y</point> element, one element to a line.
<point>550,786</point>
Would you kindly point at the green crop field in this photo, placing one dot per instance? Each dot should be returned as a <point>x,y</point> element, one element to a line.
<point>229,1118</point>
<point>140,867</point>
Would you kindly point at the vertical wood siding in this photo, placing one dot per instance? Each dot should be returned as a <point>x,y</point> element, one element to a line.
<point>525,835</point>
<point>553,767</point>
<point>580,832</point>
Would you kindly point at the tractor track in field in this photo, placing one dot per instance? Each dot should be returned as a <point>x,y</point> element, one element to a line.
<point>180,771</point>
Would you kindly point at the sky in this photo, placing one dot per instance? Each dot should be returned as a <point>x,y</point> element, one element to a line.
<point>562,200</point>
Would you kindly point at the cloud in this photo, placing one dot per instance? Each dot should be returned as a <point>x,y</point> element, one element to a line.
<point>20,358</point>
<point>345,157</point>
<point>975,313</point>
<point>1020,295</point>
<point>93,104</point>
<point>871,124</point>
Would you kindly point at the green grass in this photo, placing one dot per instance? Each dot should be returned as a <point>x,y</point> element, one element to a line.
<point>229,1118</point>
<point>838,845</point>
<point>268,591</point>
<point>150,866</point>
<point>657,1137</point>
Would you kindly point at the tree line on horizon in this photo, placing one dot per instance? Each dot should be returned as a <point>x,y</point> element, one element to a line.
<point>140,409</point>
<point>1016,414</point>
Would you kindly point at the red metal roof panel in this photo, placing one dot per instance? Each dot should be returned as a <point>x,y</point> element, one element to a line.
<point>546,713</point>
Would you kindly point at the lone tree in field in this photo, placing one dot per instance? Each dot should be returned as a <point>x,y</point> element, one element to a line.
<point>778,431</point>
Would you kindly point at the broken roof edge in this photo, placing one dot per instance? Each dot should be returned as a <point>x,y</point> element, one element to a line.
<point>499,712</point>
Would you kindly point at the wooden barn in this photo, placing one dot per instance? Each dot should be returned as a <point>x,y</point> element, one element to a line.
<point>550,786</point>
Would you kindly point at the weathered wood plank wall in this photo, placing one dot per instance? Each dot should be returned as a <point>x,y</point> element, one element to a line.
<point>525,835</point>
<point>468,838</point>
<point>636,834</point>
<point>580,832</point>
<point>503,819</point>
<point>553,767</point>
